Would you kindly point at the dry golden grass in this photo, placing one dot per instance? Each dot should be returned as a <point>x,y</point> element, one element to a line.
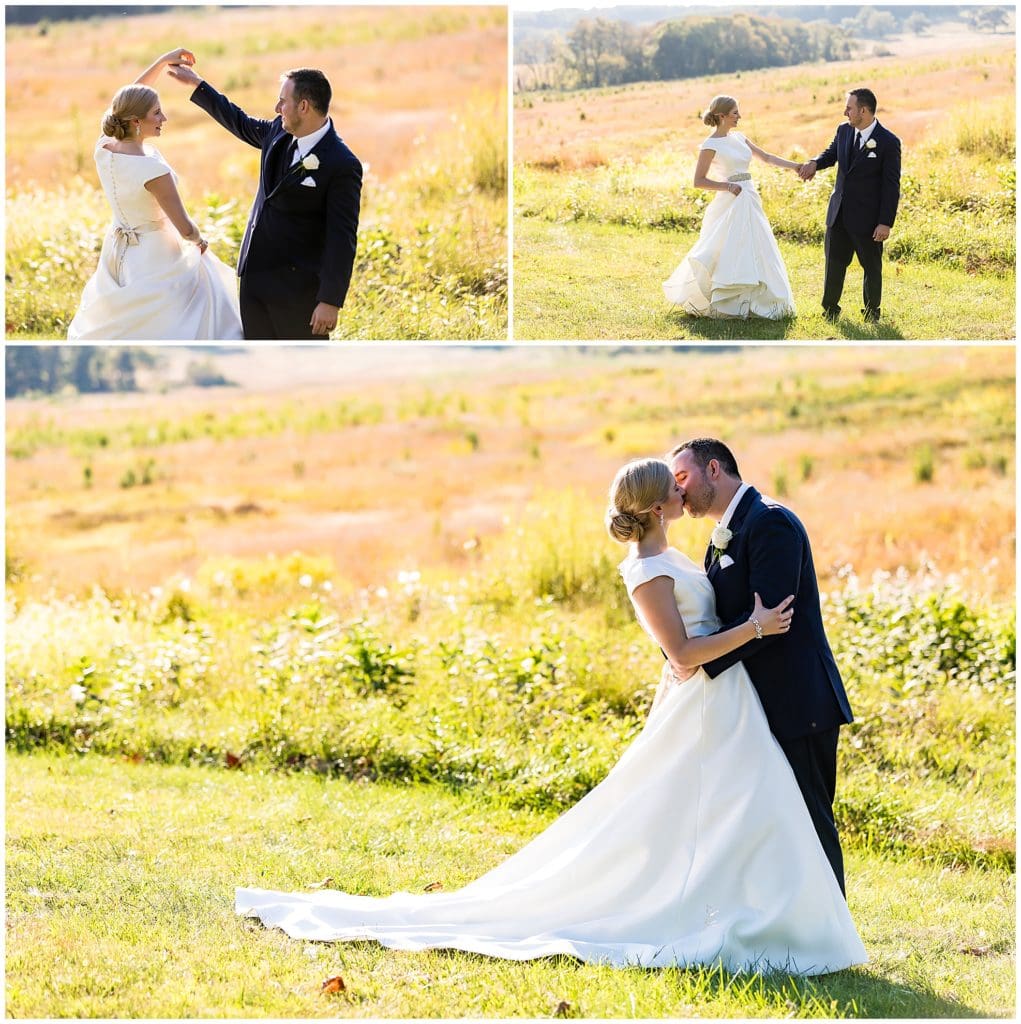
<point>467,444</point>
<point>785,110</point>
<point>398,75</point>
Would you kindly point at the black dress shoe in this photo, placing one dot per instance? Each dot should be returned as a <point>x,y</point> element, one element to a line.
<point>871,315</point>
<point>833,315</point>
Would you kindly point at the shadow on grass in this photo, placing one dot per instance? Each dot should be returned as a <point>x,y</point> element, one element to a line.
<point>851,993</point>
<point>760,329</point>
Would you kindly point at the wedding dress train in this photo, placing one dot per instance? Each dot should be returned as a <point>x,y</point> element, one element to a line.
<point>150,284</point>
<point>697,848</point>
<point>735,268</point>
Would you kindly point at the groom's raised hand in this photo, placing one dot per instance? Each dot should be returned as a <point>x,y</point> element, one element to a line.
<point>184,74</point>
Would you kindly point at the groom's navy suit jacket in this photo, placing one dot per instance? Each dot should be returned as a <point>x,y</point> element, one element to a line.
<point>867,189</point>
<point>795,675</point>
<point>310,229</point>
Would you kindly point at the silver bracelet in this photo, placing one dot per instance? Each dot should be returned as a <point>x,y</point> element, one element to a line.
<point>758,628</point>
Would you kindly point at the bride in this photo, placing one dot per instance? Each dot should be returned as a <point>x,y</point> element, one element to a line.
<point>735,268</point>
<point>696,849</point>
<point>156,279</point>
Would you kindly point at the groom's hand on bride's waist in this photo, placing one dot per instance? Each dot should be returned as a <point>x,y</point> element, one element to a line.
<point>324,318</point>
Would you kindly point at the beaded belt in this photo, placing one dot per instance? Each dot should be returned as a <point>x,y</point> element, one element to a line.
<point>740,177</point>
<point>125,236</point>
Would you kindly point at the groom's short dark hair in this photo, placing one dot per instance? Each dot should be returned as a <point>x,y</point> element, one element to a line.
<point>704,449</point>
<point>865,97</point>
<point>311,84</point>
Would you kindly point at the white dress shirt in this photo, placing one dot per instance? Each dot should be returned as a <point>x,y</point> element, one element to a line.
<point>307,142</point>
<point>734,502</point>
<point>866,133</point>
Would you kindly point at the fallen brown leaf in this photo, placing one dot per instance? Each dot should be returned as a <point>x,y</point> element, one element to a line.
<point>563,1009</point>
<point>975,950</point>
<point>333,985</point>
<point>232,760</point>
<point>433,886</point>
<point>321,885</point>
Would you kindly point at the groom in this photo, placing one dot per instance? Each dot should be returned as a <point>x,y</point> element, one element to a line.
<point>298,250</point>
<point>864,202</point>
<point>761,547</point>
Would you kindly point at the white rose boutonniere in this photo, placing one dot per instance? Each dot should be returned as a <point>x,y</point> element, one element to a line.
<point>720,539</point>
<point>311,162</point>
<point>871,144</point>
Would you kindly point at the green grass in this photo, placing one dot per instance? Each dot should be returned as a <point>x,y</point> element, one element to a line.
<point>120,881</point>
<point>588,280</point>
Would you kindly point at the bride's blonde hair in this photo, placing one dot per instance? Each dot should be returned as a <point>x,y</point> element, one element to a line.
<point>129,102</point>
<point>718,108</point>
<point>636,488</point>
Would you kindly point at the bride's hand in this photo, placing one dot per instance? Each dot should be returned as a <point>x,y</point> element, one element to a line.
<point>734,188</point>
<point>774,620</point>
<point>178,56</point>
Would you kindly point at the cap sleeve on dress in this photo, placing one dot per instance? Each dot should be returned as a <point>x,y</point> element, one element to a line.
<point>709,143</point>
<point>149,167</point>
<point>636,571</point>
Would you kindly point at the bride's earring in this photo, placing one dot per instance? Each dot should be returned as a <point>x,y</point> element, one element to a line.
<point>659,516</point>
<point>138,129</point>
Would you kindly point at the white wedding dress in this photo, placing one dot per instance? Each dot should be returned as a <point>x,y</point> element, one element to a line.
<point>696,849</point>
<point>151,285</point>
<point>735,268</point>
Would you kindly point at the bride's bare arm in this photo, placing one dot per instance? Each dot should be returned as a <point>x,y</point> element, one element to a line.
<point>165,193</point>
<point>705,158</point>
<point>152,72</point>
<point>655,600</point>
<point>772,158</point>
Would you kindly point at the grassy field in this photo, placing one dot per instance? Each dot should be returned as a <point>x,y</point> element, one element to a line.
<point>602,183</point>
<point>124,875</point>
<point>467,439</point>
<point>419,95</point>
<point>627,304</point>
<point>359,620</point>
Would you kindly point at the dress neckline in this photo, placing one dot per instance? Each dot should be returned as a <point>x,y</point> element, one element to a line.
<point>113,152</point>
<point>670,550</point>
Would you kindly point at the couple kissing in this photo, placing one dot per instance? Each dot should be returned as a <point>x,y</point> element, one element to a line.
<point>711,841</point>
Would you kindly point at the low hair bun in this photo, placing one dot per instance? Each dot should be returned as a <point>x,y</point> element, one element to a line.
<point>719,107</point>
<point>636,489</point>
<point>130,103</point>
<point>623,526</point>
<point>113,126</point>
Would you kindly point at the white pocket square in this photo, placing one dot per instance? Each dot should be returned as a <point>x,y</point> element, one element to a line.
<point>308,182</point>
<point>872,156</point>
<point>726,561</point>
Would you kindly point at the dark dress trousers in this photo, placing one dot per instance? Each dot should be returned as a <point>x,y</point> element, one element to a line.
<point>795,675</point>
<point>865,194</point>
<point>299,246</point>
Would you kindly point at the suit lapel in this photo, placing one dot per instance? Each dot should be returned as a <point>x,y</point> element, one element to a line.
<point>712,566</point>
<point>275,160</point>
<point>743,506</point>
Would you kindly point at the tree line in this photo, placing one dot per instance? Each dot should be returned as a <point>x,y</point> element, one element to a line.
<point>603,51</point>
<point>48,369</point>
<point>597,52</point>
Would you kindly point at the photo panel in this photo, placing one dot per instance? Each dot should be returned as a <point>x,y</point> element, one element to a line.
<point>391,224</point>
<point>702,173</point>
<point>292,625</point>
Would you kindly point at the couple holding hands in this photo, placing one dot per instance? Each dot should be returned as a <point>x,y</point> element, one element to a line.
<point>156,279</point>
<point>735,268</point>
